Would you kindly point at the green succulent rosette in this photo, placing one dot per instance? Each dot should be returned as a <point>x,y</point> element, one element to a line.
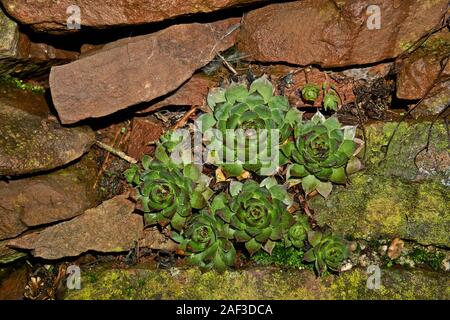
<point>327,252</point>
<point>251,114</point>
<point>320,153</point>
<point>310,92</point>
<point>257,214</point>
<point>206,242</point>
<point>331,100</point>
<point>167,193</point>
<point>298,232</point>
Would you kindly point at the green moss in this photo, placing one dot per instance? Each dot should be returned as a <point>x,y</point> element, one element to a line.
<point>421,256</point>
<point>258,283</point>
<point>374,207</point>
<point>21,85</point>
<point>283,257</point>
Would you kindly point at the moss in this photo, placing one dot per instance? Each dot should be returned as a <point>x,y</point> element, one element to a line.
<point>375,206</point>
<point>21,85</point>
<point>283,257</point>
<point>421,256</point>
<point>257,283</point>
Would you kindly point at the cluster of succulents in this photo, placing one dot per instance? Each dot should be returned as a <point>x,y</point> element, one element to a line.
<point>208,225</point>
<point>331,99</point>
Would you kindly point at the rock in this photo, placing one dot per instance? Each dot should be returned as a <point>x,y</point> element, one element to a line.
<point>110,227</point>
<point>439,99</point>
<point>394,198</point>
<point>8,255</point>
<point>256,284</point>
<point>45,199</point>
<point>135,70</point>
<point>411,137</point>
<point>31,142</point>
<point>375,206</point>
<point>144,132</point>
<point>395,249</point>
<point>335,34</point>
<point>154,239</point>
<point>419,70</point>
<point>191,93</point>
<point>51,16</point>
<point>21,56</point>
<point>12,286</point>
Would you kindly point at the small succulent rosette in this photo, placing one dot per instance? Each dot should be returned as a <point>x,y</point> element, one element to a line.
<point>206,242</point>
<point>256,212</point>
<point>246,127</point>
<point>328,251</point>
<point>322,153</point>
<point>298,232</point>
<point>167,193</point>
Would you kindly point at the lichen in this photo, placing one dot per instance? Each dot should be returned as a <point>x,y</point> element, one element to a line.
<point>257,283</point>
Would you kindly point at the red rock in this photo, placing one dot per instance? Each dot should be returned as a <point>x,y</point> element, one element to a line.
<point>143,133</point>
<point>110,227</point>
<point>154,239</point>
<point>51,16</point>
<point>418,71</point>
<point>335,34</point>
<point>135,70</point>
<point>21,56</point>
<point>44,199</point>
<point>191,93</point>
<point>30,141</point>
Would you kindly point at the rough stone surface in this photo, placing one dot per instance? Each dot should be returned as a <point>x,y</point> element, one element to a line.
<point>44,199</point>
<point>419,70</point>
<point>144,132</point>
<point>335,33</point>
<point>374,207</point>
<point>8,255</point>
<point>31,141</point>
<point>131,71</point>
<point>51,16</point>
<point>21,56</point>
<point>394,198</point>
<point>191,93</point>
<point>110,227</point>
<point>154,239</point>
<point>258,283</point>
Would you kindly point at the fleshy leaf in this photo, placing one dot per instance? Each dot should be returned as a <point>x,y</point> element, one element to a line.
<point>324,188</point>
<point>309,183</point>
<point>314,237</point>
<point>263,86</point>
<point>206,121</point>
<point>235,188</point>
<point>215,96</point>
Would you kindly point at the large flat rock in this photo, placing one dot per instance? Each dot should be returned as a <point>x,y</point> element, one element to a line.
<point>135,70</point>
<point>335,33</point>
<point>51,16</point>
<point>30,140</point>
<point>110,227</point>
<point>44,199</point>
<point>257,284</point>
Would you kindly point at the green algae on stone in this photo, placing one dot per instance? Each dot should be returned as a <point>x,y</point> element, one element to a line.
<point>409,139</point>
<point>372,207</point>
<point>257,283</point>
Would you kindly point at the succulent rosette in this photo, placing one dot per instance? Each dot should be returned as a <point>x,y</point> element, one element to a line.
<point>167,193</point>
<point>327,252</point>
<point>310,92</point>
<point>257,214</point>
<point>320,153</point>
<point>298,232</point>
<point>249,115</point>
<point>206,242</point>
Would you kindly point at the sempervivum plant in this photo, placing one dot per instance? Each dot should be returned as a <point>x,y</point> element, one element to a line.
<point>206,242</point>
<point>251,115</point>
<point>298,232</point>
<point>167,193</point>
<point>256,213</point>
<point>320,153</point>
<point>327,252</point>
